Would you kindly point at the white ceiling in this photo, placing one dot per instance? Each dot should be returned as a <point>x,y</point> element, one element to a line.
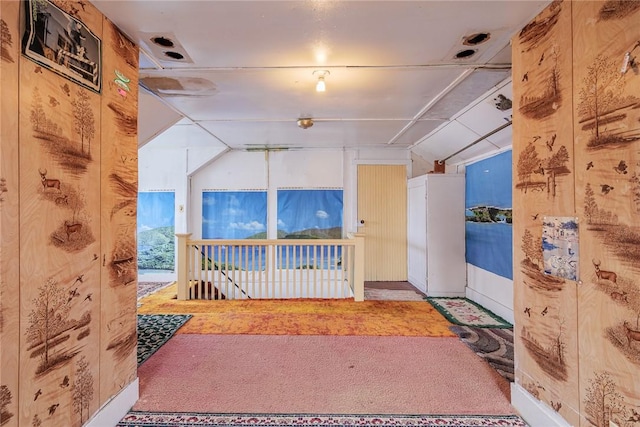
<point>394,82</point>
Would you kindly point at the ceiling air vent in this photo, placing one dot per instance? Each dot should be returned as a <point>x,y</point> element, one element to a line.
<point>165,47</point>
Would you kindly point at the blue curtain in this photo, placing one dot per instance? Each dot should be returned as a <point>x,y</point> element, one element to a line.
<point>156,230</point>
<point>234,214</point>
<point>310,214</point>
<point>489,234</point>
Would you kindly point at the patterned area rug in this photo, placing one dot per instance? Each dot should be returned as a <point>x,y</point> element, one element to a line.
<point>493,345</point>
<point>158,419</point>
<point>465,312</point>
<point>391,295</point>
<point>154,330</point>
<point>301,316</point>
<point>147,288</point>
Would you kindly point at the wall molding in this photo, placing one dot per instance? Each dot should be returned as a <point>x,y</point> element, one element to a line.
<point>533,411</point>
<point>491,291</point>
<point>115,409</point>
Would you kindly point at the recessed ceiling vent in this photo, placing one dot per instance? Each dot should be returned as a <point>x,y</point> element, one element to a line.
<point>465,54</point>
<point>165,47</point>
<point>476,39</point>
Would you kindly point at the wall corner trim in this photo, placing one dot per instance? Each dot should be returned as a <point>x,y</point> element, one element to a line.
<point>533,411</point>
<point>115,409</point>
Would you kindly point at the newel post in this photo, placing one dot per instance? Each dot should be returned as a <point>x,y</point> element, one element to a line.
<point>358,276</point>
<point>183,267</point>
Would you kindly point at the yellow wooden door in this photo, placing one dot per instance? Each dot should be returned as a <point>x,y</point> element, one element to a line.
<point>382,215</point>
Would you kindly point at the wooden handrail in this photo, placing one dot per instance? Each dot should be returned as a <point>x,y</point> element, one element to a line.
<point>305,274</point>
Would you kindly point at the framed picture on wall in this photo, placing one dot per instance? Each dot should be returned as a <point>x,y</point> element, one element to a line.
<point>61,43</point>
<point>560,247</point>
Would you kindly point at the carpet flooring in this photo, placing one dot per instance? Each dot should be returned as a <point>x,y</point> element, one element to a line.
<point>463,311</point>
<point>320,375</point>
<point>161,419</point>
<point>154,330</point>
<point>493,345</point>
<point>301,316</point>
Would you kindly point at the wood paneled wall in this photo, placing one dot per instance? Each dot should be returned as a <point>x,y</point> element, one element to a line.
<point>576,143</point>
<point>69,165</point>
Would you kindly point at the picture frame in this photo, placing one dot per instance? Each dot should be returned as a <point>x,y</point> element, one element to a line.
<point>60,42</point>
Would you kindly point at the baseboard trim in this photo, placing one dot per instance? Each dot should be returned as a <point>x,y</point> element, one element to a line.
<point>495,307</point>
<point>115,409</point>
<point>533,411</point>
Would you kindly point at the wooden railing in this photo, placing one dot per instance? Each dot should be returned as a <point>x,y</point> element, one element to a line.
<point>270,268</point>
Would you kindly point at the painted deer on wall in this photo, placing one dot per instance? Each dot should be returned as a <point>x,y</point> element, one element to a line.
<point>47,182</point>
<point>603,274</point>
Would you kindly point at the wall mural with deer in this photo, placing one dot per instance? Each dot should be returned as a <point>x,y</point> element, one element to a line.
<point>544,304</point>
<point>68,315</point>
<point>9,215</point>
<point>577,154</point>
<point>607,139</point>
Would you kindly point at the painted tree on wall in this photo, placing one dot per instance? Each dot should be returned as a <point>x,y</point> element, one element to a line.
<point>83,119</point>
<point>5,42</point>
<point>590,205</point>
<point>556,166</point>
<point>601,90</point>
<point>532,251</point>
<point>82,388</point>
<point>39,119</point>
<point>47,318</point>
<point>602,401</point>
<point>528,164</point>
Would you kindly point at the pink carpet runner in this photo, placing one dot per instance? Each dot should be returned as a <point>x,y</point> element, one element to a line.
<point>320,374</point>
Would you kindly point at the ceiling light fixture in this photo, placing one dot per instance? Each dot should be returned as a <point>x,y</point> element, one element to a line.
<point>321,86</point>
<point>305,122</point>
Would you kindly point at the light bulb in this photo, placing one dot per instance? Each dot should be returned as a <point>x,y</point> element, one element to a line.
<point>320,86</point>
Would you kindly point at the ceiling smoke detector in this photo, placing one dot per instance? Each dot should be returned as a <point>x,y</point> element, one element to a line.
<point>305,122</point>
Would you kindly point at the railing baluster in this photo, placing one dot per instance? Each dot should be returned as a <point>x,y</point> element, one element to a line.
<point>280,274</point>
<point>308,293</point>
<point>195,257</point>
<point>272,284</point>
<point>207,269</point>
<point>295,269</point>
<point>259,292</point>
<point>271,268</point>
<point>322,286</point>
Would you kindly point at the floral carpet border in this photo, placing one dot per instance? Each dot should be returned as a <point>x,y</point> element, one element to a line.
<point>177,419</point>
<point>464,312</point>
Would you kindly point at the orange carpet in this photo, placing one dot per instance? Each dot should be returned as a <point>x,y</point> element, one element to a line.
<point>301,316</point>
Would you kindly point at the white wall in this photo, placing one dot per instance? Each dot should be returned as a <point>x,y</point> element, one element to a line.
<point>490,291</point>
<point>178,169</point>
<point>166,169</point>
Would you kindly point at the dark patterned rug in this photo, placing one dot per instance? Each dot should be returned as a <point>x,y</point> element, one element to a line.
<point>493,345</point>
<point>154,330</point>
<point>159,419</point>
